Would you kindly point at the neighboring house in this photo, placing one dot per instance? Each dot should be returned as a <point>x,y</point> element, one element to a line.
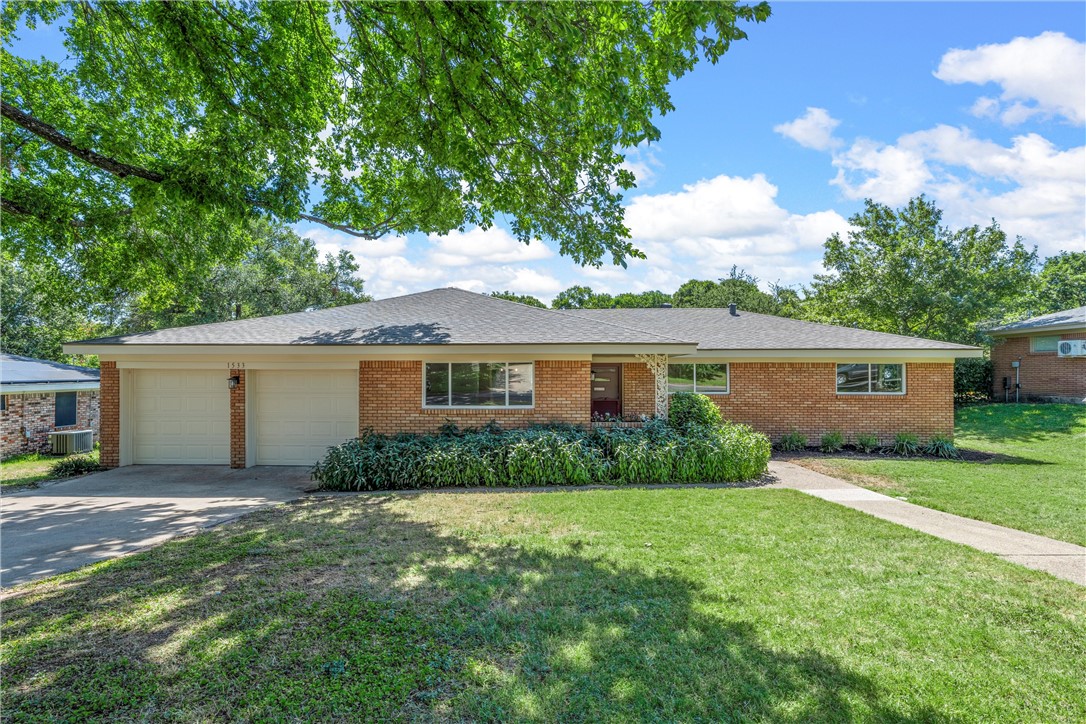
<point>280,390</point>
<point>1051,354</point>
<point>38,397</point>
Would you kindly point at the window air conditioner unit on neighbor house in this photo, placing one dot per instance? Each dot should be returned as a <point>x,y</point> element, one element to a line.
<point>71,441</point>
<point>1072,348</point>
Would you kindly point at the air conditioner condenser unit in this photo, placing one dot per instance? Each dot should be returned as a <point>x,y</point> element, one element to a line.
<point>71,441</point>
<point>1071,348</point>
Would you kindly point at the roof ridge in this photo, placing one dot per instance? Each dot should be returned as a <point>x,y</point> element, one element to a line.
<point>562,313</point>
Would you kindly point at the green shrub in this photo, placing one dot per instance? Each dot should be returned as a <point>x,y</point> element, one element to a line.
<point>942,446</point>
<point>75,465</point>
<point>546,455</point>
<point>689,409</point>
<point>793,440</point>
<point>972,380</point>
<point>867,442</point>
<point>832,442</point>
<point>905,444</point>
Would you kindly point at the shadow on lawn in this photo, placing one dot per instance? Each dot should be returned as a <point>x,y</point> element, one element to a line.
<point>337,610</point>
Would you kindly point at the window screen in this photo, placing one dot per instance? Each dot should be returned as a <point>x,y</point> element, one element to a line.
<point>65,409</point>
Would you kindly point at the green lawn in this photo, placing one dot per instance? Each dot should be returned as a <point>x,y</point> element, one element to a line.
<point>1037,482</point>
<point>611,605</point>
<point>26,471</point>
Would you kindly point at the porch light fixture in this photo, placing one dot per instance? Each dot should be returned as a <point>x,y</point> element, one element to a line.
<point>233,382</point>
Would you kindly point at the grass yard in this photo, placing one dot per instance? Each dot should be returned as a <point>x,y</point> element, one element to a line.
<point>1037,482</point>
<point>611,605</point>
<point>26,471</point>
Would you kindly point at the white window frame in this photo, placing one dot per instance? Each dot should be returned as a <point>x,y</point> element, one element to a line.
<point>727,371</point>
<point>506,406</point>
<point>1033,344</point>
<point>870,392</point>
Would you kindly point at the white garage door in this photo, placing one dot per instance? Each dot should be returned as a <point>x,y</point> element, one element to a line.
<point>180,416</point>
<point>298,415</point>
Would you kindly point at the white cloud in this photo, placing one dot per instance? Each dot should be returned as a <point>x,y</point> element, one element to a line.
<point>1044,75</point>
<point>1031,187</point>
<point>329,241</point>
<point>484,246</point>
<point>643,163</point>
<point>701,231</point>
<point>814,129</point>
<point>868,169</point>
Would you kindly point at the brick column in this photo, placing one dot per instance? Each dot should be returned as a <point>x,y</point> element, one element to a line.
<point>109,408</point>
<point>237,420</point>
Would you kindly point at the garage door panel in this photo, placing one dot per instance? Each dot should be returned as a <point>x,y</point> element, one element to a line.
<point>180,417</point>
<point>297,416</point>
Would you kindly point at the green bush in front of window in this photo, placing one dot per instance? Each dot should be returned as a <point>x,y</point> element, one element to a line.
<point>547,455</point>
<point>690,409</point>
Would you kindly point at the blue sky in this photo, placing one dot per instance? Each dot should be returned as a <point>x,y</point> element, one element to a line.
<point>981,106</point>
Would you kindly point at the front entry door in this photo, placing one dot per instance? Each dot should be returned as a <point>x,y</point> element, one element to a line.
<point>606,390</point>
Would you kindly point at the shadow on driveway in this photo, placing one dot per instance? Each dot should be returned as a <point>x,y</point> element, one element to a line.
<point>65,525</point>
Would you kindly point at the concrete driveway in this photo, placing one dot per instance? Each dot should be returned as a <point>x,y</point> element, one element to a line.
<point>65,525</point>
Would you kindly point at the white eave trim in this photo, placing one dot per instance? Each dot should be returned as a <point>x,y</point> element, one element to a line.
<point>1075,326</point>
<point>862,355</point>
<point>22,388</point>
<point>385,352</point>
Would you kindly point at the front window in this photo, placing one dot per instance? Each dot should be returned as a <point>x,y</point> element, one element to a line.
<point>478,384</point>
<point>64,415</point>
<point>871,379</point>
<point>707,379</point>
<point>1044,344</point>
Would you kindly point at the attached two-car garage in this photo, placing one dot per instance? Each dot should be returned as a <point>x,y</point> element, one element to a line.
<point>292,416</point>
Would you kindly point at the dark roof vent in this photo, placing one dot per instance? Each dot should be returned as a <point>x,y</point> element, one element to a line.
<point>733,309</point>
<point>665,305</point>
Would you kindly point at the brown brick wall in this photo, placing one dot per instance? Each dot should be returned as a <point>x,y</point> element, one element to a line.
<point>777,397</point>
<point>390,398</point>
<point>638,390</point>
<point>237,420</point>
<point>26,423</point>
<point>1042,374</point>
<point>110,409</point>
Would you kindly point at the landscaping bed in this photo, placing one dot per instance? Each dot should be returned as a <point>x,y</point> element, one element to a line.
<point>694,446</point>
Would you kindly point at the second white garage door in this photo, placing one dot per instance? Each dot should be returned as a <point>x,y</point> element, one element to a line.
<point>297,415</point>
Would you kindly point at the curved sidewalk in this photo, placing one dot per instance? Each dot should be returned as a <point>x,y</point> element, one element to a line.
<point>1064,560</point>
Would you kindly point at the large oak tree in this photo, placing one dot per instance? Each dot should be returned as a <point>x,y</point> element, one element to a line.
<point>171,125</point>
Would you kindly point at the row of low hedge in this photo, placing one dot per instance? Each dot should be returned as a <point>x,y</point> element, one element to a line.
<point>547,455</point>
<point>905,444</point>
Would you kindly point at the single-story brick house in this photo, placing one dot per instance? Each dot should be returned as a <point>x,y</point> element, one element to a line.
<point>1050,352</point>
<point>38,397</point>
<point>280,390</point>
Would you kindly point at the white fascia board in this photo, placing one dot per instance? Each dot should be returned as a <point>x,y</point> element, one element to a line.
<point>289,352</point>
<point>23,388</point>
<point>827,355</point>
<point>1063,327</point>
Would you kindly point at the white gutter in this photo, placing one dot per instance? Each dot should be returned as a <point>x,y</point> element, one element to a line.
<point>22,388</point>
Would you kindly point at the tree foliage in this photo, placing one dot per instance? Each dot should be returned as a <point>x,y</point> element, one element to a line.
<point>171,125</point>
<point>280,273</point>
<point>902,271</point>
<point>521,298</point>
<point>1061,284</point>
<point>739,288</point>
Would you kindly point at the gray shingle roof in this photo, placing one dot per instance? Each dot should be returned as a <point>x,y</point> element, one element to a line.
<point>438,317</point>
<point>718,329</point>
<point>16,370</point>
<point>1067,318</point>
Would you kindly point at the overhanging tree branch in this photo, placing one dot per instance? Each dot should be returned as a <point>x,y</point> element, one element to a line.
<point>52,135</point>
<point>123,170</point>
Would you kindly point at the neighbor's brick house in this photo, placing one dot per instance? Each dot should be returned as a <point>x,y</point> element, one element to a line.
<point>1044,372</point>
<point>280,390</point>
<point>38,397</point>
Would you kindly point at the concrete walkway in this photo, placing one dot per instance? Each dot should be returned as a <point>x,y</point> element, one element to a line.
<point>62,526</point>
<point>1064,560</point>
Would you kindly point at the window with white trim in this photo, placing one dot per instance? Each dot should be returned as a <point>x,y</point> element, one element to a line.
<point>704,378</point>
<point>1044,344</point>
<point>478,384</point>
<point>870,379</point>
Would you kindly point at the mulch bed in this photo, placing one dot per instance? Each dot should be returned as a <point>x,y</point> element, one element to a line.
<point>972,456</point>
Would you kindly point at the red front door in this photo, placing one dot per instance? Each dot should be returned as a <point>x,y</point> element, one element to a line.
<point>606,391</point>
